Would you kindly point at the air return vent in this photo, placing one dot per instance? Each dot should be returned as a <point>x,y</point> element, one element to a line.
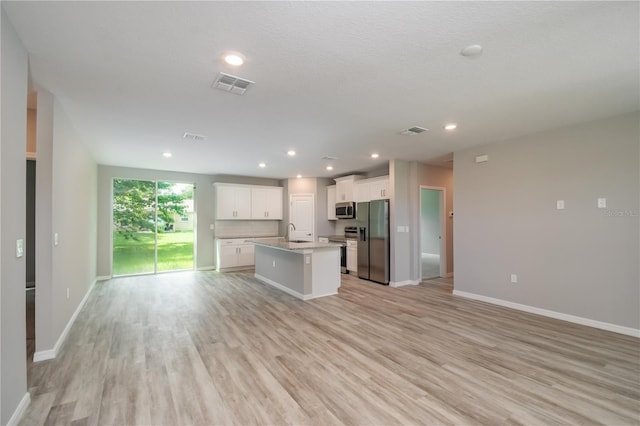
<point>193,137</point>
<point>231,83</point>
<point>413,130</point>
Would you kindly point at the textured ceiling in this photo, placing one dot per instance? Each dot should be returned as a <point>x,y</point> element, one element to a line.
<point>332,78</point>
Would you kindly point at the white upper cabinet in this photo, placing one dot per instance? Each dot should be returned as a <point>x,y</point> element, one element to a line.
<point>331,202</point>
<point>345,188</point>
<point>379,188</point>
<point>232,201</point>
<point>246,202</point>
<point>372,189</point>
<point>363,189</point>
<point>266,203</point>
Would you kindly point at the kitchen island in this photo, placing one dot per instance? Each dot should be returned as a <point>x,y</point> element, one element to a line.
<point>305,270</point>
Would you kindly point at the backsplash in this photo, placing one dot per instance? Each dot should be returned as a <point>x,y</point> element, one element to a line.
<point>342,223</point>
<point>246,228</point>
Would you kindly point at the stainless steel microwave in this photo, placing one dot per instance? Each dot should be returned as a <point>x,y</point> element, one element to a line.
<point>346,210</point>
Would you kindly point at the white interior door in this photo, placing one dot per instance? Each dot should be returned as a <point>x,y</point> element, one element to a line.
<point>301,215</point>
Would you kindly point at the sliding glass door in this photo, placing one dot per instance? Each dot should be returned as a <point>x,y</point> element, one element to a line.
<point>153,226</point>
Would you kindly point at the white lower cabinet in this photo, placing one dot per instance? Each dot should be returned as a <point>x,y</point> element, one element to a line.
<point>352,256</point>
<point>236,253</point>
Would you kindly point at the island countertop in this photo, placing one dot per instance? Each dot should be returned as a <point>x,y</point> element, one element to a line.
<point>283,244</point>
<point>305,270</point>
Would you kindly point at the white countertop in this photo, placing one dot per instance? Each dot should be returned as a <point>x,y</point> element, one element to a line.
<point>283,244</point>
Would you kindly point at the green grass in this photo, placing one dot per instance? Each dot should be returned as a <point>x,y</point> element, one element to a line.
<point>175,251</point>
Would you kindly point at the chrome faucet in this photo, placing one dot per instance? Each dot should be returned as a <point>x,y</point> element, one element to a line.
<point>289,226</point>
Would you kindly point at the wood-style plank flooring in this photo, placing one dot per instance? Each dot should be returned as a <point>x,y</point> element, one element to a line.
<point>209,348</point>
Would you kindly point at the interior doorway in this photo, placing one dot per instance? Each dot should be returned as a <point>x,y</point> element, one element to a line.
<point>30,257</point>
<point>153,227</point>
<point>432,232</point>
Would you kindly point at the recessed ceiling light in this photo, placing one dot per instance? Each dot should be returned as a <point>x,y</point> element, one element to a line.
<point>167,154</point>
<point>291,153</point>
<point>262,165</point>
<point>299,176</point>
<point>450,126</point>
<point>329,167</point>
<point>472,51</point>
<point>375,155</point>
<point>234,59</point>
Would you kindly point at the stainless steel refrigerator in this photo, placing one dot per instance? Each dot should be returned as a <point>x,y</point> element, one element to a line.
<point>373,240</point>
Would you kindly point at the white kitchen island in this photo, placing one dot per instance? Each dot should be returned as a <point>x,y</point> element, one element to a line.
<point>305,270</point>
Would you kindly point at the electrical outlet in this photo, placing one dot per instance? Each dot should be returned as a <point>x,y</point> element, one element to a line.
<point>274,263</point>
<point>560,204</point>
<point>67,292</point>
<point>602,203</point>
<point>55,239</point>
<point>514,278</point>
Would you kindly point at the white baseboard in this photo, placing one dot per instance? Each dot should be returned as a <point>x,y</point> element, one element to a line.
<point>551,314</point>
<point>206,268</point>
<point>103,278</point>
<point>44,355</point>
<point>403,283</point>
<point>315,296</point>
<point>283,288</point>
<point>20,409</point>
<point>52,353</point>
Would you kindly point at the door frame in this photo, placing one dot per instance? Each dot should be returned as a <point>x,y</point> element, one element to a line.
<point>443,228</point>
<point>313,211</point>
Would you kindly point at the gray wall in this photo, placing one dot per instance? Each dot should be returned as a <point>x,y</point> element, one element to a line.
<point>74,219</point>
<point>430,212</point>
<point>45,339</point>
<point>323,225</point>
<point>403,210</point>
<point>204,206</point>
<point>580,261</point>
<point>13,89</point>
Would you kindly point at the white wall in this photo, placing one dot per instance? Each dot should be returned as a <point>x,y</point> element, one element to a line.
<point>581,261</point>
<point>13,134</point>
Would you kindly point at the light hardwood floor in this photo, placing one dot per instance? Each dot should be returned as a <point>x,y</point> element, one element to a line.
<point>209,348</point>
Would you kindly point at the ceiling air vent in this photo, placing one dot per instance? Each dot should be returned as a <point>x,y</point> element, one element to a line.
<point>193,137</point>
<point>413,130</point>
<point>231,83</point>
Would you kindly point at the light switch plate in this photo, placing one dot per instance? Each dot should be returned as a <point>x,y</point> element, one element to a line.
<point>560,204</point>
<point>482,158</point>
<point>602,203</point>
<point>19,248</point>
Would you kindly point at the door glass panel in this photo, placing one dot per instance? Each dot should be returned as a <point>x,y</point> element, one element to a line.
<point>134,230</point>
<point>175,226</point>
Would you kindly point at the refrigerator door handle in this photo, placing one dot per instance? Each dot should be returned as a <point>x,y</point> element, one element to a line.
<point>363,234</point>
